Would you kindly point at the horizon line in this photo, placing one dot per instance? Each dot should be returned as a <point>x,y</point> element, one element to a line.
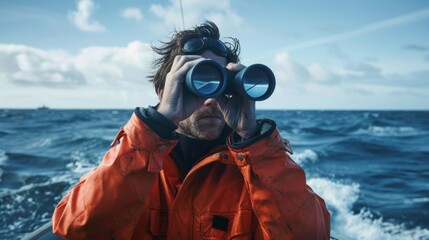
<point>257,109</point>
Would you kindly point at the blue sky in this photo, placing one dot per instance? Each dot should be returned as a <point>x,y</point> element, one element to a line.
<point>325,54</point>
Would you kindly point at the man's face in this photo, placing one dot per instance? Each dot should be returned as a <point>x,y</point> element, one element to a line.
<point>206,122</point>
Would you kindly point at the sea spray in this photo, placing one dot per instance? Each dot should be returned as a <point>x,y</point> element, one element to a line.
<point>340,199</point>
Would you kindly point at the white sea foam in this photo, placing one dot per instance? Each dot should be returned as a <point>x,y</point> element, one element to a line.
<point>346,224</point>
<point>79,166</point>
<point>3,156</point>
<point>65,177</point>
<point>305,156</point>
<point>374,115</point>
<point>416,200</point>
<point>42,142</point>
<point>389,131</point>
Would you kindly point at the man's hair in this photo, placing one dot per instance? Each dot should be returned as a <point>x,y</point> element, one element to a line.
<point>169,50</point>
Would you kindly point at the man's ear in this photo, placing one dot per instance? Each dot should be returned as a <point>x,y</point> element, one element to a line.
<point>159,91</point>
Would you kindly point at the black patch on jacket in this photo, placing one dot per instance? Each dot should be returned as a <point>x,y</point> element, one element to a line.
<point>220,223</point>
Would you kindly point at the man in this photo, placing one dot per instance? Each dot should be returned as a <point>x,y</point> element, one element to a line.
<point>194,168</point>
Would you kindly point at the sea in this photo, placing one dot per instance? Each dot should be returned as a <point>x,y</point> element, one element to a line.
<point>371,167</point>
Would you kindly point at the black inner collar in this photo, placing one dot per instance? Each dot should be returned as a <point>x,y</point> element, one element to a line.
<point>189,151</point>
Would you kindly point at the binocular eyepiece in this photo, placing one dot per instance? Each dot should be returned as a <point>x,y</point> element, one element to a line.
<point>209,79</point>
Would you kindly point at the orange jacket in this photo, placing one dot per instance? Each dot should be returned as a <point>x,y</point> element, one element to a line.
<point>137,192</point>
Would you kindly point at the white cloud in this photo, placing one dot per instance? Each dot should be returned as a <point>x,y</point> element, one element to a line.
<point>319,73</point>
<point>94,77</point>
<point>289,71</point>
<point>112,65</point>
<point>196,12</point>
<point>92,65</point>
<point>82,17</point>
<point>132,13</point>
<point>116,77</point>
<point>31,66</point>
<point>363,82</point>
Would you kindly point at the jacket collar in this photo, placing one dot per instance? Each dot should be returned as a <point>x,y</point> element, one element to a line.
<point>189,151</point>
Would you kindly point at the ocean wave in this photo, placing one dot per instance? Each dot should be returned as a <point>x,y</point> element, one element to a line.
<point>416,201</point>
<point>80,167</point>
<point>319,131</point>
<point>340,198</point>
<point>3,133</point>
<point>371,115</point>
<point>82,162</point>
<point>25,208</point>
<point>378,131</point>
<point>3,156</point>
<point>358,146</point>
<point>93,142</point>
<point>32,162</point>
<point>42,142</point>
<point>305,156</point>
<point>1,174</point>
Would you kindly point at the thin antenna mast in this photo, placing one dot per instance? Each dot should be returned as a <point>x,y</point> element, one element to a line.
<point>183,18</point>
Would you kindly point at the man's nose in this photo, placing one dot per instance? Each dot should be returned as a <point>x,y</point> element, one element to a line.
<point>210,102</point>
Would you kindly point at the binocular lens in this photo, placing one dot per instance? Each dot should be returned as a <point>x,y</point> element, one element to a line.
<point>206,79</point>
<point>210,79</point>
<point>256,83</point>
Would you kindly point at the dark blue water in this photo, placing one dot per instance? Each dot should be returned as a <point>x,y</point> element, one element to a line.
<point>372,167</point>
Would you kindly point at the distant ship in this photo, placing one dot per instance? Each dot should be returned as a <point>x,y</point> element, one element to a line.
<point>43,107</point>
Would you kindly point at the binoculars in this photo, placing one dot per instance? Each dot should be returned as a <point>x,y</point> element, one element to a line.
<point>209,79</point>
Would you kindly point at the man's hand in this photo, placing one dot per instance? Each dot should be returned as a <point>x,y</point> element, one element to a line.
<point>176,103</point>
<point>239,112</point>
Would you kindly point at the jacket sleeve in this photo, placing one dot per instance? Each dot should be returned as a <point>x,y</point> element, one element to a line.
<point>110,200</point>
<point>285,206</point>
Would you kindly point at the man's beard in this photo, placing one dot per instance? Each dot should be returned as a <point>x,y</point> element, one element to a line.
<point>194,128</point>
